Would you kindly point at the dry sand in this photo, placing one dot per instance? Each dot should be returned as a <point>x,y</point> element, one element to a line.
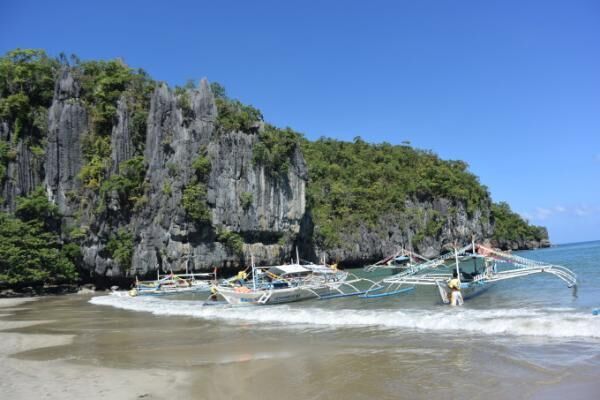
<point>61,379</point>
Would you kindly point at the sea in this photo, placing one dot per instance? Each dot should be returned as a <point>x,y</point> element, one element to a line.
<point>530,338</point>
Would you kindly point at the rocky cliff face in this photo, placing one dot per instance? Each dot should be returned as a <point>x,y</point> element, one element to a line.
<point>167,238</point>
<point>23,173</point>
<point>267,213</point>
<point>67,123</point>
<point>429,227</point>
<point>164,236</point>
<point>522,244</point>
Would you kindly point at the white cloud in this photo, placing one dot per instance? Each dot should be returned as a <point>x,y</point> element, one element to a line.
<point>526,216</point>
<point>544,213</point>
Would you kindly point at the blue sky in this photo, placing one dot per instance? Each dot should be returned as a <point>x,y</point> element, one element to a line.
<point>511,87</point>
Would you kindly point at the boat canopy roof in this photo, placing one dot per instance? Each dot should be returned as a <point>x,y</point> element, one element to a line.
<point>288,269</point>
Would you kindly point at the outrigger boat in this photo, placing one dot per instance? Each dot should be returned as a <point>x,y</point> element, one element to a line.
<point>400,261</point>
<point>173,284</point>
<point>290,283</point>
<point>477,266</point>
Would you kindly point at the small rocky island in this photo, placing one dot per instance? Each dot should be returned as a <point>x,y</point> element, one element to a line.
<point>106,174</point>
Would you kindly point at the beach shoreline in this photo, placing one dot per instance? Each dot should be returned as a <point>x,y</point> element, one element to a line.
<point>67,347</point>
<point>62,379</point>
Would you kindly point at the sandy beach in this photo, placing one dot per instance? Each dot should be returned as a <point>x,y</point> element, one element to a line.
<point>60,379</point>
<point>108,347</point>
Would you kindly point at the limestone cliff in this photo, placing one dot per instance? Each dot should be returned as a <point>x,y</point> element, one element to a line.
<point>67,123</point>
<point>250,210</point>
<point>428,227</point>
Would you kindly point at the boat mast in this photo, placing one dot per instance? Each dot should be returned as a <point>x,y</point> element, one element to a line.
<point>456,260</point>
<point>253,272</point>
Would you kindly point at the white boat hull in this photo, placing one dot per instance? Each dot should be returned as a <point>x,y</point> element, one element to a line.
<point>235,296</point>
<point>467,289</point>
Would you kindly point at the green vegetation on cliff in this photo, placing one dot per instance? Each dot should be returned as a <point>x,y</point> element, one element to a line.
<point>275,149</point>
<point>233,115</point>
<point>120,247</point>
<point>351,184</point>
<point>128,184</point>
<point>194,195</point>
<point>511,227</point>
<point>355,183</point>
<point>26,88</point>
<point>103,84</point>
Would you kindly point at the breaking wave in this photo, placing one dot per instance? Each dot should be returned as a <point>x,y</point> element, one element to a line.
<point>553,323</point>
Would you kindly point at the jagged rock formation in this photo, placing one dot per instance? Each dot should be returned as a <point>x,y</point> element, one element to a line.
<point>67,123</point>
<point>121,143</point>
<point>275,208</point>
<point>24,173</point>
<point>165,237</point>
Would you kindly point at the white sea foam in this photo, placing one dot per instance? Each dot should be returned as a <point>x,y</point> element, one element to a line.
<point>563,323</point>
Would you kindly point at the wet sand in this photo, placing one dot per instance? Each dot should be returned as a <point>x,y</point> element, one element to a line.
<point>64,347</point>
<point>61,379</point>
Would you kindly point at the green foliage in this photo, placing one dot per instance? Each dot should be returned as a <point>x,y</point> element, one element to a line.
<point>128,183</point>
<point>234,116</point>
<point>194,203</point>
<point>5,157</point>
<point>31,252</point>
<point>509,226</point>
<point>166,189</point>
<point>353,183</point>
<point>232,240</point>
<point>173,169</point>
<point>275,149</point>
<point>29,255</point>
<point>97,152</point>
<point>78,233</point>
<point>417,238</point>
<point>38,151</point>
<point>139,93</point>
<point>218,90</point>
<point>4,149</point>
<point>184,102</point>
<point>434,225</point>
<point>246,200</point>
<point>37,208</point>
<point>120,247</point>
<point>26,91</point>
<point>202,167</point>
<point>72,252</point>
<point>103,83</point>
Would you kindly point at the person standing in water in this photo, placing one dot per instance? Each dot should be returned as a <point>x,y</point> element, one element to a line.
<point>455,294</point>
